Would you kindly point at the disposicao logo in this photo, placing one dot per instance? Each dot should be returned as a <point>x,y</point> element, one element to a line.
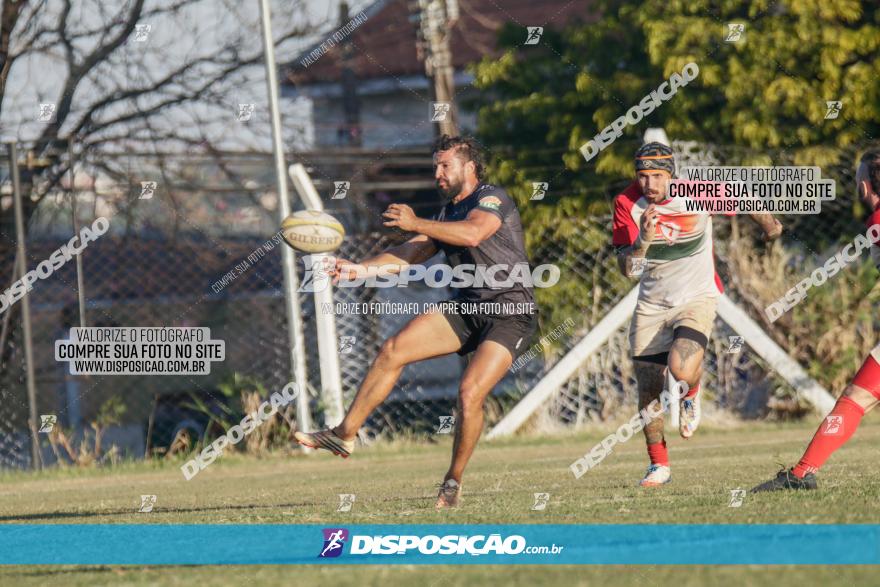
<point>334,540</point>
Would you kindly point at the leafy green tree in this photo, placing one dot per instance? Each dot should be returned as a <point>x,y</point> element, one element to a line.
<point>768,90</point>
<point>763,96</point>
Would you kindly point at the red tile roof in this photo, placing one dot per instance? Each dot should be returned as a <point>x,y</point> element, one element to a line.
<point>385,45</point>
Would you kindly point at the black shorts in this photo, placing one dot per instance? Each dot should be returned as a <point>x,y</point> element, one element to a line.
<point>513,332</point>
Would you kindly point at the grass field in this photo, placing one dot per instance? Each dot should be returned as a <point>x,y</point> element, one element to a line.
<point>395,483</point>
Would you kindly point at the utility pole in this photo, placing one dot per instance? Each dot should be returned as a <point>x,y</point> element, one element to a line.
<point>435,18</point>
<point>350,103</point>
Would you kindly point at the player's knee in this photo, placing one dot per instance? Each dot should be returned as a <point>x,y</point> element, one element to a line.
<point>690,374</point>
<point>647,396</point>
<point>470,396</point>
<point>390,354</point>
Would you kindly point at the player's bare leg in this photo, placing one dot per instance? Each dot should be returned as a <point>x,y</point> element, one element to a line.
<point>487,367</point>
<point>863,397</point>
<point>860,397</point>
<point>650,378</point>
<point>426,336</point>
<point>686,364</point>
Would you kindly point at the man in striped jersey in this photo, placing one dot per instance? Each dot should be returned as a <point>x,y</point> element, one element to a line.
<point>671,250</point>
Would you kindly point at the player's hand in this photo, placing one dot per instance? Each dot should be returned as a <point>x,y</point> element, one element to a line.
<point>401,216</point>
<point>344,269</point>
<point>774,233</point>
<point>649,224</point>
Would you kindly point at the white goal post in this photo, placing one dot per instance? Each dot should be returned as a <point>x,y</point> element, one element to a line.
<point>738,320</point>
<point>331,380</point>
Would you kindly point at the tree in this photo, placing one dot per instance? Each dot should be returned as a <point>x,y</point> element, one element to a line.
<point>120,78</point>
<point>762,97</point>
<point>132,76</point>
<point>767,91</point>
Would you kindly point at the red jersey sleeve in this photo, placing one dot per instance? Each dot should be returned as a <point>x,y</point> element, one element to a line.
<point>624,230</point>
<point>873,219</point>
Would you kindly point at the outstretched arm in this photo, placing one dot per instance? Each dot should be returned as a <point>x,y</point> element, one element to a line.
<point>470,232</point>
<point>416,250</point>
<point>772,227</point>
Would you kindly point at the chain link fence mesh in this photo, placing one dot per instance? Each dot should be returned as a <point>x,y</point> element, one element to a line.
<point>198,251</point>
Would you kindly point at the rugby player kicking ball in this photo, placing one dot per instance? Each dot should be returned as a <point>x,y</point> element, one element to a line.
<point>478,225</point>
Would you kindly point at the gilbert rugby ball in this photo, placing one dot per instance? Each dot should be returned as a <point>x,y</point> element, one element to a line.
<point>312,231</point>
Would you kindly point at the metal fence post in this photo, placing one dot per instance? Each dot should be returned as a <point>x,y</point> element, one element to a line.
<point>80,279</point>
<point>36,461</point>
<point>291,296</point>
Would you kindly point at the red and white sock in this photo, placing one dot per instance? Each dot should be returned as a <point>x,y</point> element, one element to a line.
<point>693,391</point>
<point>835,430</point>
<point>839,426</point>
<point>868,377</point>
<point>657,453</point>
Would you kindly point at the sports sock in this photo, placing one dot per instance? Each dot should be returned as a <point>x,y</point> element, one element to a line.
<point>692,391</point>
<point>868,377</point>
<point>657,453</point>
<point>837,428</point>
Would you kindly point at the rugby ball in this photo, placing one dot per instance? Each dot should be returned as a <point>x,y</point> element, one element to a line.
<point>312,231</point>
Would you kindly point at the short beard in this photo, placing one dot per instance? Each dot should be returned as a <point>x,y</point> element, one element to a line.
<point>450,192</point>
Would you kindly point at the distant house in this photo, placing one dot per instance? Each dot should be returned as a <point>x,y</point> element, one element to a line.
<point>388,80</point>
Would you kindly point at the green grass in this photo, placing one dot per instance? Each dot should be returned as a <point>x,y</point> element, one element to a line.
<point>443,576</point>
<point>395,483</point>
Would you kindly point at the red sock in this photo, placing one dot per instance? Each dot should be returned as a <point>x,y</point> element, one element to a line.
<point>657,453</point>
<point>692,391</point>
<point>838,427</point>
<point>868,377</point>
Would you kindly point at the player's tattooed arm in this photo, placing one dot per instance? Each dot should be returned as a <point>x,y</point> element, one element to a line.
<point>771,226</point>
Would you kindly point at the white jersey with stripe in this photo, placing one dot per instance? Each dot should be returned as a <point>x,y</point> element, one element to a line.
<point>680,262</point>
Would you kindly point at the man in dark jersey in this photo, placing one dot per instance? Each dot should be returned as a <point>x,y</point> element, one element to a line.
<point>479,226</point>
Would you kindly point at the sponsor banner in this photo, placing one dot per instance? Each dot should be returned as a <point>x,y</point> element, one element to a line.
<point>528,544</point>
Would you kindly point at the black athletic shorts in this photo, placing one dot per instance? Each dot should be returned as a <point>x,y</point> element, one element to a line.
<point>513,332</point>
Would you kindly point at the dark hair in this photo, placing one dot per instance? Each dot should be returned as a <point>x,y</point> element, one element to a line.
<point>466,147</point>
<point>872,160</point>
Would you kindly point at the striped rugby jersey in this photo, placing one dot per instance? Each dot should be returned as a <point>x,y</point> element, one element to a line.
<point>681,262</point>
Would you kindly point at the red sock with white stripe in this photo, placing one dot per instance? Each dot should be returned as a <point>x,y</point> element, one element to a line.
<point>839,426</point>
<point>835,430</point>
<point>657,453</point>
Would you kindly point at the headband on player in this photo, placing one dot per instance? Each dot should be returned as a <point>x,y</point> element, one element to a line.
<point>655,156</point>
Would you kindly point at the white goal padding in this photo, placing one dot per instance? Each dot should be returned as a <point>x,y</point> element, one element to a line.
<point>738,320</point>
<point>325,323</point>
<point>567,366</point>
<point>774,355</point>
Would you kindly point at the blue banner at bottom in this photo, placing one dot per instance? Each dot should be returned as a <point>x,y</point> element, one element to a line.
<point>518,544</point>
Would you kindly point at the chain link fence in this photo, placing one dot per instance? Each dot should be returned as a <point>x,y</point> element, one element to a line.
<point>195,249</point>
<point>736,381</point>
